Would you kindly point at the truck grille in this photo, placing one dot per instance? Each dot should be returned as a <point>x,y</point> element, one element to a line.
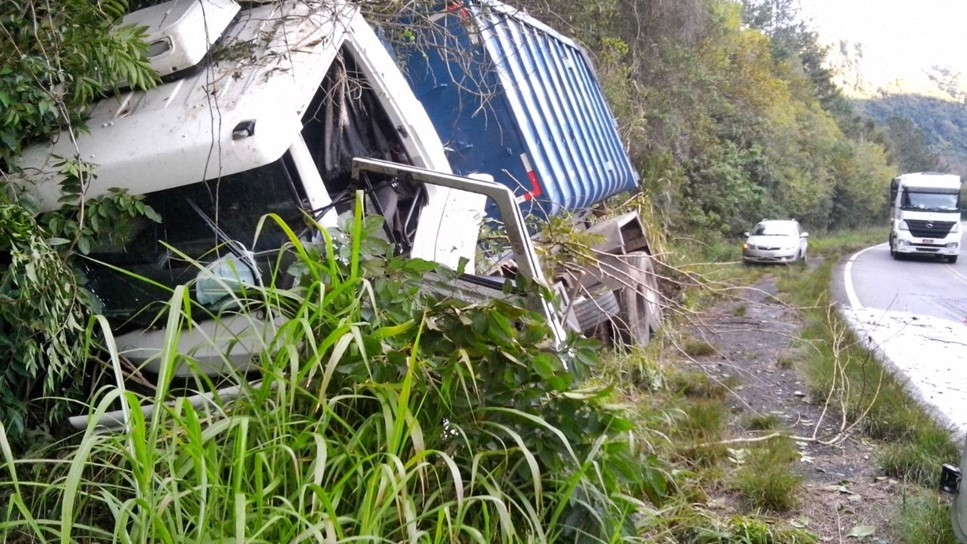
<point>929,229</point>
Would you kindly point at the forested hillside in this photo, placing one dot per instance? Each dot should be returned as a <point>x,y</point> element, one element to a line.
<point>730,114</point>
<point>941,126</point>
<point>926,107</point>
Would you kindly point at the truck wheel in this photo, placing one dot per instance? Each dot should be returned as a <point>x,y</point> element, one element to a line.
<point>640,304</point>
<point>593,311</point>
<point>951,259</point>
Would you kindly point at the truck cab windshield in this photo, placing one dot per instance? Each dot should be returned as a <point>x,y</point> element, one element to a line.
<point>189,214</point>
<point>932,202</point>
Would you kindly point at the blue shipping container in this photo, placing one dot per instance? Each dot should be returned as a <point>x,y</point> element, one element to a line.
<point>513,98</point>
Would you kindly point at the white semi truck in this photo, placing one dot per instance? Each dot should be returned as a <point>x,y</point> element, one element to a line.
<point>925,215</point>
<point>290,108</point>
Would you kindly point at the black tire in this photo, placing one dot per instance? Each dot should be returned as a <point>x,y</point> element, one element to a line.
<point>952,259</point>
<point>640,315</point>
<point>593,311</point>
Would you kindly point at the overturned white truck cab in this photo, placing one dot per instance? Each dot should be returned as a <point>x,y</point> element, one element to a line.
<point>272,117</point>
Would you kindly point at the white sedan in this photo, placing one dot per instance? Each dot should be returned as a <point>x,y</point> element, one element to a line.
<point>776,241</point>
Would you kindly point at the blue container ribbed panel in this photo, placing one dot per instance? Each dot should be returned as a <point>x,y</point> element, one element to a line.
<point>544,101</point>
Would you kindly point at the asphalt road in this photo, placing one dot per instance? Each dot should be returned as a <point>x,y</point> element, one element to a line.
<point>913,315</point>
<point>924,287</point>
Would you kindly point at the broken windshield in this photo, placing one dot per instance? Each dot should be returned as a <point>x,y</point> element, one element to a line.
<point>235,204</point>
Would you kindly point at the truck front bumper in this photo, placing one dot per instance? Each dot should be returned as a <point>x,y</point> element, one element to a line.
<point>948,246</point>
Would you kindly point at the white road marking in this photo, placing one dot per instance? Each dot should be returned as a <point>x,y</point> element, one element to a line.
<point>854,301</point>
<point>956,274</point>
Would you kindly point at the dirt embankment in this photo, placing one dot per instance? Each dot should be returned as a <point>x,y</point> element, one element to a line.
<point>755,336</point>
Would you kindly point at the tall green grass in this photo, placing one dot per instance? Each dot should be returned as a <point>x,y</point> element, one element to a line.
<point>378,414</point>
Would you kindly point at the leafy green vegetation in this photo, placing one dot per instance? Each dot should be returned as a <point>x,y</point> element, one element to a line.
<point>45,310</point>
<point>767,478</point>
<point>925,517</point>
<point>55,58</point>
<point>377,412</point>
<point>380,413</point>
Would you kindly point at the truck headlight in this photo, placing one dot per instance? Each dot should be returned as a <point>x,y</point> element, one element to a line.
<point>956,227</point>
<point>903,225</point>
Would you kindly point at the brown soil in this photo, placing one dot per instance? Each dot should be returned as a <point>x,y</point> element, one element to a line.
<point>843,489</point>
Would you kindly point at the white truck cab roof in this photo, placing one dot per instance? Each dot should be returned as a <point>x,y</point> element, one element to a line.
<point>181,131</point>
<point>241,110</point>
<point>930,180</point>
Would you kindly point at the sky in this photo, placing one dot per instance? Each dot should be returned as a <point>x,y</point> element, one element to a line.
<point>912,34</point>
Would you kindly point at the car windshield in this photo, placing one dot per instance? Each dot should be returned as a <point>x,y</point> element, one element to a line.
<point>938,202</point>
<point>774,229</point>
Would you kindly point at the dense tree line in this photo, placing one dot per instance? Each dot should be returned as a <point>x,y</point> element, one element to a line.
<point>731,115</point>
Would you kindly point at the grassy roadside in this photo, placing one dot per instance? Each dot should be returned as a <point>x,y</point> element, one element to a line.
<point>754,460</point>
<point>914,446</point>
<point>381,419</point>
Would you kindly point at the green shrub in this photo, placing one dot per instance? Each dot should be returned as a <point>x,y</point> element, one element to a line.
<point>924,516</point>
<point>381,413</point>
<point>768,477</point>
